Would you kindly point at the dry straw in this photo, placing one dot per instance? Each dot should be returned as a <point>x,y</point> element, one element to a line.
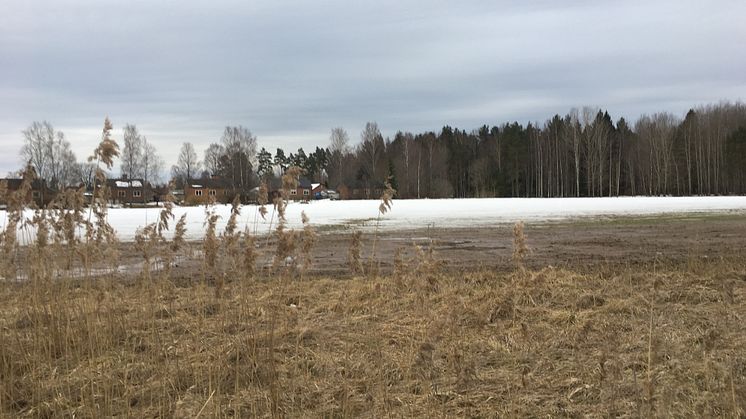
<point>210,245</point>
<point>309,238</point>
<point>232,238</point>
<point>16,201</point>
<point>387,197</point>
<point>520,246</point>
<point>100,237</point>
<point>354,259</point>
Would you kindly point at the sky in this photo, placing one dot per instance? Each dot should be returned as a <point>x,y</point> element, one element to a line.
<point>290,71</point>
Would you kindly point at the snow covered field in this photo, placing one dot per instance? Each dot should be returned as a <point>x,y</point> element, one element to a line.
<point>406,214</point>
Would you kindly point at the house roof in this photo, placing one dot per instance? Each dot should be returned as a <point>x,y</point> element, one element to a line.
<point>212,183</point>
<point>276,184</point>
<point>15,184</point>
<point>304,183</point>
<point>125,183</point>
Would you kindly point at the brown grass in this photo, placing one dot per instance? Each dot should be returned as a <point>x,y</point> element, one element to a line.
<point>520,246</point>
<point>549,343</point>
<point>354,258</point>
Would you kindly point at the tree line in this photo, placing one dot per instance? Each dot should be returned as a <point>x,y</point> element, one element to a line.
<point>584,153</point>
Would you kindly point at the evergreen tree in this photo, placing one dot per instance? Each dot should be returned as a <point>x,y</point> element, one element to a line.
<point>393,181</point>
<point>280,160</point>
<point>264,163</point>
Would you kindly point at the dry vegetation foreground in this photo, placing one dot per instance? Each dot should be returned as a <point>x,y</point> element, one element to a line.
<point>657,339</point>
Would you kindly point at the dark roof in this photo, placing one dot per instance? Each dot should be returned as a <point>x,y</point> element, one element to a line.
<point>15,184</point>
<point>304,183</point>
<point>213,183</point>
<point>275,184</point>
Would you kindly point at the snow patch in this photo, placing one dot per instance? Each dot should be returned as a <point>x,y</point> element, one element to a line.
<point>128,184</point>
<point>424,213</point>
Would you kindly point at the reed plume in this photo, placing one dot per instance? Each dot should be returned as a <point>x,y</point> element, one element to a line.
<point>309,238</point>
<point>354,260</point>
<point>520,247</point>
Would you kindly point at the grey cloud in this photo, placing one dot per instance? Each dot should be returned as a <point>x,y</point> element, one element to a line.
<point>291,70</point>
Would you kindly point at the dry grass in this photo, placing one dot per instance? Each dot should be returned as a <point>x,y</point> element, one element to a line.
<point>550,342</point>
<point>354,258</point>
<point>520,246</point>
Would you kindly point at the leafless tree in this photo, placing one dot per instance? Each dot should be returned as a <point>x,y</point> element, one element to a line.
<point>35,148</point>
<point>49,153</point>
<point>339,148</point>
<point>152,163</point>
<point>87,173</point>
<point>212,157</point>
<point>187,165</point>
<point>371,149</point>
<point>339,141</point>
<point>240,156</point>
<point>239,139</point>
<point>132,156</point>
<point>573,136</point>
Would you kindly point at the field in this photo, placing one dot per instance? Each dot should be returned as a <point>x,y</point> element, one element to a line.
<point>631,313</point>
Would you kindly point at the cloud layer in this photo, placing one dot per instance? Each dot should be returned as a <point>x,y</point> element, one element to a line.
<point>292,70</point>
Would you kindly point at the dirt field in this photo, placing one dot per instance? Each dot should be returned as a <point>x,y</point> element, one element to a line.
<point>576,245</point>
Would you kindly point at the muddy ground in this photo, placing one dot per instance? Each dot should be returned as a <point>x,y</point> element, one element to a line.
<point>574,244</point>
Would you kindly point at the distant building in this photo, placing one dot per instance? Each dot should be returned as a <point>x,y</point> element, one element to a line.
<point>129,191</point>
<point>303,192</point>
<point>361,190</point>
<point>318,191</point>
<point>201,191</point>
<point>40,194</point>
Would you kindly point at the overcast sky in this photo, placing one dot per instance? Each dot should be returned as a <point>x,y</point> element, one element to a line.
<point>292,70</point>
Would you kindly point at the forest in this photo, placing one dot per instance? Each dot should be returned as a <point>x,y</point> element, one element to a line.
<point>584,153</point>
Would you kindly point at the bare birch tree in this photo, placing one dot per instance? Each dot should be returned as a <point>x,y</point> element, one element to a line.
<point>50,154</point>
<point>132,152</point>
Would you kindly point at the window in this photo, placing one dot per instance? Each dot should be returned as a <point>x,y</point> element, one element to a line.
<point>294,192</point>
<point>306,192</point>
<point>136,194</point>
<point>35,194</point>
<point>122,194</point>
<point>198,192</point>
<point>213,192</point>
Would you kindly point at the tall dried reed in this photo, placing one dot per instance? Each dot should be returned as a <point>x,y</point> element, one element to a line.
<point>387,197</point>
<point>210,244</point>
<point>16,202</point>
<point>520,246</point>
<point>100,238</point>
<point>232,239</point>
<point>69,208</point>
<point>354,258</point>
<point>286,239</point>
<point>308,239</point>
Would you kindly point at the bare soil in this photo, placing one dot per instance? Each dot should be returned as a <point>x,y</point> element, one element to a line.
<point>578,245</point>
